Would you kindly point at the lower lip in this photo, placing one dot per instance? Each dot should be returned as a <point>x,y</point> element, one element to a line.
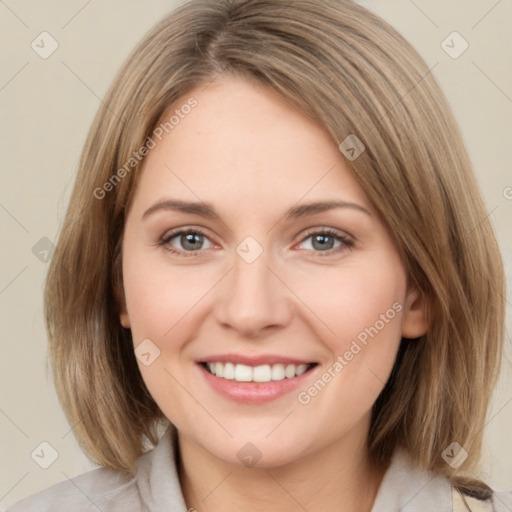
<point>254,392</point>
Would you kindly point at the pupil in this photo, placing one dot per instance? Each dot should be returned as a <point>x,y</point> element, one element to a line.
<point>191,238</point>
<point>322,240</point>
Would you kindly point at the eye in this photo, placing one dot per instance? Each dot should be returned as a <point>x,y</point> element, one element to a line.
<point>327,240</point>
<point>186,241</point>
<point>190,242</point>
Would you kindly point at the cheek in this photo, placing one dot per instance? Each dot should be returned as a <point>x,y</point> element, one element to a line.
<point>163,304</point>
<point>355,300</point>
<point>161,297</point>
<point>362,307</point>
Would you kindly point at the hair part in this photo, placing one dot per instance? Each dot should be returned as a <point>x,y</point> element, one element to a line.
<point>353,73</point>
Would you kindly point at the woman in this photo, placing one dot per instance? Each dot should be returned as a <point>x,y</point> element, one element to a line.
<point>275,249</point>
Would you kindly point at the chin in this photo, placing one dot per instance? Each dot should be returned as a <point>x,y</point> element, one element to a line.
<point>262,454</point>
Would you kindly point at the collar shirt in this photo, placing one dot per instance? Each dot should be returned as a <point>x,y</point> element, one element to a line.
<point>156,488</point>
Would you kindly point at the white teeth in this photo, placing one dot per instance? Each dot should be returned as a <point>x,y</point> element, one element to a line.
<point>301,369</point>
<point>243,373</point>
<point>289,371</point>
<point>262,373</point>
<point>219,369</point>
<point>277,372</point>
<point>229,371</point>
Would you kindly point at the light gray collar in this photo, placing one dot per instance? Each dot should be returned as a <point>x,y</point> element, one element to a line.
<point>404,487</point>
<point>410,489</point>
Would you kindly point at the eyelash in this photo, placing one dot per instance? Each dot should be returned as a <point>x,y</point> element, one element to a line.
<point>346,242</point>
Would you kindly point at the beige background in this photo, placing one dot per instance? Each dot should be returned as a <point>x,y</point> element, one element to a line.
<point>47,106</point>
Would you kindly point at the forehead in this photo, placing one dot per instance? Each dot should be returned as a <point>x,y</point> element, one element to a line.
<point>242,141</point>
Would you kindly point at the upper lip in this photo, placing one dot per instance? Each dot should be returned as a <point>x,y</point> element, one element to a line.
<point>253,360</point>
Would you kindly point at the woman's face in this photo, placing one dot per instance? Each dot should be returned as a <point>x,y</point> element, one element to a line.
<point>261,283</point>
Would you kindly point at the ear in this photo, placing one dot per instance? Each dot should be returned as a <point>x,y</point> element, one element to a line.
<point>415,320</point>
<point>123,312</point>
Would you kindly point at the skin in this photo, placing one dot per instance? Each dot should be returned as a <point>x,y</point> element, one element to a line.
<point>252,156</point>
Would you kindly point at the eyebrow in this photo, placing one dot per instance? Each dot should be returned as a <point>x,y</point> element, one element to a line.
<point>207,210</point>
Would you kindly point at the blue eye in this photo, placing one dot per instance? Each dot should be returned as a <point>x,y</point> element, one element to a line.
<point>189,240</point>
<point>328,241</point>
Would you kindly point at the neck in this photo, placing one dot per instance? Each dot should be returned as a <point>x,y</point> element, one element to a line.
<point>338,477</point>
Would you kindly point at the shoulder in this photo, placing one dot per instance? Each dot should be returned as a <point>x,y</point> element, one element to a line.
<point>155,485</point>
<point>99,489</point>
<point>407,487</point>
<point>501,501</point>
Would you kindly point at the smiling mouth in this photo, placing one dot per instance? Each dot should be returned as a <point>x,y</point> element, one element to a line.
<point>261,373</point>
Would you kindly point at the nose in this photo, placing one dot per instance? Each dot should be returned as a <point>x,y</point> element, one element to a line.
<point>254,299</point>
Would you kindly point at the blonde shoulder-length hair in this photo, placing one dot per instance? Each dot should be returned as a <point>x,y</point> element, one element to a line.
<point>352,72</point>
